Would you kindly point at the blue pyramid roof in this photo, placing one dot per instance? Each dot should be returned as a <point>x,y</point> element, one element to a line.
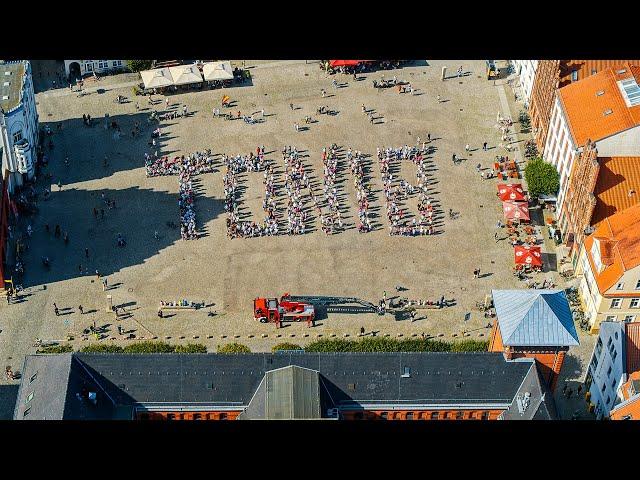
<point>535,317</point>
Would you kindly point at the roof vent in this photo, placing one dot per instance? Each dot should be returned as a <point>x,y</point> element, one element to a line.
<point>5,97</point>
<point>406,372</point>
<point>620,72</point>
<point>599,93</point>
<point>607,112</point>
<point>7,73</point>
<point>6,84</point>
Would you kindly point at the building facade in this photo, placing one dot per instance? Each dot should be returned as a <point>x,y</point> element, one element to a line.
<point>18,122</point>
<point>80,68</point>
<point>4,227</point>
<point>283,386</point>
<point>609,268</point>
<point>613,375</point>
<point>526,69</point>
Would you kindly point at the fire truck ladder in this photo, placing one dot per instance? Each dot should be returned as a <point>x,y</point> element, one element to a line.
<point>337,304</point>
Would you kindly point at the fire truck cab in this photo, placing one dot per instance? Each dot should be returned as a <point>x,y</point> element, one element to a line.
<point>270,310</point>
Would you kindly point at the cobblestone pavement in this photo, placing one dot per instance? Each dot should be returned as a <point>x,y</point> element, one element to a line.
<point>227,274</point>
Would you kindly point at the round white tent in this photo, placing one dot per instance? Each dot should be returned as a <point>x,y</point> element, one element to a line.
<point>185,74</point>
<point>217,71</point>
<point>157,78</point>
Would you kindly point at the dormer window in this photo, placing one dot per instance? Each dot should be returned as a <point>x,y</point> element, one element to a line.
<point>620,286</point>
<point>595,255</point>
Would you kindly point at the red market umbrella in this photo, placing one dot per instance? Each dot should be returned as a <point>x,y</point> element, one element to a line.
<point>531,256</point>
<point>511,191</point>
<point>344,63</point>
<point>516,211</point>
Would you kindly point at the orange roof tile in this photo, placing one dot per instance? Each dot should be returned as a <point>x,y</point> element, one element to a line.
<point>617,176</point>
<point>585,109</point>
<point>619,237</point>
<point>632,332</point>
<point>586,67</point>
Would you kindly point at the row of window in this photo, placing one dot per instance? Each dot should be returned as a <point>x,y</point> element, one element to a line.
<point>101,64</point>
<point>459,415</point>
<point>614,318</point>
<point>183,416</point>
<point>620,286</point>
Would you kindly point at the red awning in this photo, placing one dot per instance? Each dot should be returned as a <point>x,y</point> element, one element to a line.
<point>528,256</point>
<point>516,211</point>
<point>511,191</point>
<point>344,63</point>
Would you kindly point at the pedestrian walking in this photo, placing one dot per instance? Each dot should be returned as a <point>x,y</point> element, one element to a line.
<point>362,331</point>
<point>156,235</point>
<point>466,147</point>
<point>160,313</point>
<point>384,297</point>
<point>97,275</point>
<point>291,106</point>
<point>484,146</point>
<point>55,310</point>
<point>478,167</point>
<point>412,314</point>
<point>104,284</point>
<point>167,102</point>
<point>364,109</point>
<point>184,110</point>
<point>371,119</point>
<point>496,237</point>
<point>439,98</point>
<point>324,93</point>
<point>81,309</point>
<point>429,137</point>
<point>453,158</point>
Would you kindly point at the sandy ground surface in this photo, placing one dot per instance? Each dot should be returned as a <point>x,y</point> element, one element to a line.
<point>228,274</point>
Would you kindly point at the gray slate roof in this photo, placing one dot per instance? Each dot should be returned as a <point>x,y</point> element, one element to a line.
<point>14,79</point>
<point>535,318</point>
<point>349,380</point>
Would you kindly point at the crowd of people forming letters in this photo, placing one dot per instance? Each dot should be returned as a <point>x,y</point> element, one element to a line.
<point>297,183</point>
<point>401,190</point>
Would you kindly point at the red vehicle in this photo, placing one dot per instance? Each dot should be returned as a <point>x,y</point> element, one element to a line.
<point>270,310</point>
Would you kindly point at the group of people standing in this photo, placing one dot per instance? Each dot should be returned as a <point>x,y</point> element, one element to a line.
<point>330,165</point>
<point>195,164</point>
<point>362,190</point>
<point>295,179</point>
<point>403,189</point>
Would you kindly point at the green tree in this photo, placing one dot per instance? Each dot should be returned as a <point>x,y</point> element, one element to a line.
<point>286,346</point>
<point>542,178</point>
<point>148,347</point>
<point>139,65</point>
<point>191,348</point>
<point>233,348</point>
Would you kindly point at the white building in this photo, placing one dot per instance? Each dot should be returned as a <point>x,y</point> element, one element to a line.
<point>603,108</point>
<point>18,122</point>
<point>526,69</point>
<point>607,368</point>
<point>85,67</point>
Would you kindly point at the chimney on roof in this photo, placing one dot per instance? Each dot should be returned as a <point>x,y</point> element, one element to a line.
<point>607,112</point>
<point>631,191</point>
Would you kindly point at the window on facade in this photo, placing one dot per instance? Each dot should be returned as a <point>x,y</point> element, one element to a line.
<point>170,416</point>
<point>608,400</point>
<point>223,416</point>
<point>638,285</point>
<point>17,136</point>
<point>595,255</point>
<point>197,416</point>
<point>459,415</point>
<point>611,318</point>
<point>616,303</point>
<point>613,385</point>
<point>593,71</point>
<point>574,76</point>
<point>604,387</point>
<point>609,371</point>
<point>384,415</point>
<point>629,318</point>
<point>33,377</point>
<point>484,416</point>
<point>620,286</point>
<point>26,412</point>
<point>434,415</point>
<point>409,415</point>
<point>614,354</point>
<point>29,398</point>
<point>635,303</point>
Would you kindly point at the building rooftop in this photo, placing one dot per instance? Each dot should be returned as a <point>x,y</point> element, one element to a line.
<point>596,106</point>
<point>347,380</point>
<point>619,239</point>
<point>586,68</point>
<point>534,318</point>
<point>617,187</point>
<point>11,78</point>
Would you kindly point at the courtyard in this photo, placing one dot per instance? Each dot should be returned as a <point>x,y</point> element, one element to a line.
<point>227,274</point>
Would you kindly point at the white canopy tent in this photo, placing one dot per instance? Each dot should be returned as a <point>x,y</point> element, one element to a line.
<point>157,78</point>
<point>185,74</point>
<point>217,71</point>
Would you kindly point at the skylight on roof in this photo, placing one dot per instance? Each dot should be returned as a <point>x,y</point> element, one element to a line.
<point>631,91</point>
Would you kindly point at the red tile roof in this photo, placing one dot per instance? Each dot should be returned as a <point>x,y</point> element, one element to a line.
<point>619,237</point>
<point>632,332</point>
<point>585,109</point>
<point>617,176</point>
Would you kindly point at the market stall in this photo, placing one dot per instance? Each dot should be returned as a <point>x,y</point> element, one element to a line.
<point>158,78</point>
<point>525,256</point>
<point>511,192</point>
<point>186,74</point>
<point>517,211</point>
<point>217,71</point>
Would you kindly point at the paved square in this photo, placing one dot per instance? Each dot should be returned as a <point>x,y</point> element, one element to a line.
<point>229,273</point>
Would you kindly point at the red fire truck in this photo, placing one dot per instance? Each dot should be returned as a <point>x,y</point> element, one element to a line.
<point>270,310</point>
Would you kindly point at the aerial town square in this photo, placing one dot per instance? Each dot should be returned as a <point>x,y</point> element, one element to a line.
<point>180,201</point>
